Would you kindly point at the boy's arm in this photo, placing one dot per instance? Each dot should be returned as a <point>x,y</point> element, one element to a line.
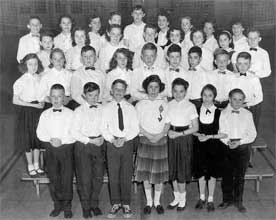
<point>266,68</point>
<point>105,126</point>
<point>134,126</point>
<point>223,128</point>
<point>250,133</point>
<point>20,50</point>
<point>135,89</point>
<point>41,130</point>
<point>67,136</point>
<point>76,90</point>
<point>76,128</point>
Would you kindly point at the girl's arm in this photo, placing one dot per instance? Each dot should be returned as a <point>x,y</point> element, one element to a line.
<point>17,101</point>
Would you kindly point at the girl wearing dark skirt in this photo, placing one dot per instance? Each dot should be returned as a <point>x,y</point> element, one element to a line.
<point>182,116</point>
<point>208,151</point>
<point>24,95</point>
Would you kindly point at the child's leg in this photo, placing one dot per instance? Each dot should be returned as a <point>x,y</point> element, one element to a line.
<point>36,161</point>
<point>182,195</point>
<point>29,157</point>
<point>148,192</point>
<point>202,184</point>
<point>175,193</point>
<point>157,193</point>
<point>211,189</point>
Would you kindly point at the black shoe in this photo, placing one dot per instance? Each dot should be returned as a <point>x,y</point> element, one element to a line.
<point>86,213</point>
<point>96,211</point>
<point>55,212</point>
<point>113,211</point>
<point>172,206</point>
<point>200,204</point>
<point>159,209</point>
<point>68,214</point>
<point>147,210</point>
<point>241,208</point>
<point>210,207</point>
<point>180,209</point>
<point>250,165</point>
<point>224,205</point>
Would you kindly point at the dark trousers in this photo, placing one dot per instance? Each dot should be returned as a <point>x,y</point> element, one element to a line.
<point>120,170</point>
<point>196,102</point>
<point>256,112</point>
<point>89,165</point>
<point>236,163</point>
<point>59,164</point>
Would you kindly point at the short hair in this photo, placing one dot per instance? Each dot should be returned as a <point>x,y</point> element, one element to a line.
<point>111,14</point>
<point>254,30</point>
<point>211,88</point>
<point>220,51</point>
<point>163,12</point>
<point>195,49</point>
<point>34,17</point>
<point>210,21</point>
<point>46,34</point>
<point>90,87</point>
<point>174,48</point>
<point>57,87</point>
<point>151,26</point>
<point>153,78</point>
<point>66,16</point>
<point>237,22</point>
<point>149,46</point>
<point>189,18</point>
<point>176,28</point>
<point>244,55</point>
<point>110,27</point>
<point>23,63</point>
<point>87,48</point>
<point>236,90</point>
<point>56,50</point>
<point>93,16</point>
<point>138,7</point>
<point>180,82</point>
<point>113,62</point>
<point>87,40</point>
<point>229,35</point>
<point>201,31</point>
<point>116,81</point>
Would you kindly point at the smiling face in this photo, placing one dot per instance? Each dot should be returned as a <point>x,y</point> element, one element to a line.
<point>47,43</point>
<point>92,97</point>
<point>115,35</point>
<point>194,59</point>
<point>57,97</point>
<point>222,60</point>
<point>237,29</point>
<point>138,16</point>
<point>88,58</point>
<point>66,25</point>
<point>224,41</point>
<point>208,29</point>
<point>198,38</point>
<point>34,26</point>
<point>236,100</point>
<point>178,92</point>
<point>118,91</point>
<point>150,35</point>
<point>208,97</point>
<point>115,19</point>
<point>175,36</point>
<point>254,39</point>
<point>149,57</point>
<point>174,59</point>
<point>58,60</point>
<point>186,25</point>
<point>153,90</point>
<point>163,22</point>
<point>95,24</point>
<point>121,60</point>
<point>32,65</point>
<point>80,38</point>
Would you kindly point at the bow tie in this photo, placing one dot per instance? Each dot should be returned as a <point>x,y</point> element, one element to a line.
<point>93,106</point>
<point>56,110</point>
<point>90,68</point>
<point>235,111</point>
<point>192,69</point>
<point>148,67</point>
<point>221,72</point>
<point>208,111</point>
<point>35,35</point>
<point>252,48</point>
<point>242,74</point>
<point>175,70</point>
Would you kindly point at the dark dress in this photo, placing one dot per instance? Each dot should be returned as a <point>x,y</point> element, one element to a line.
<point>208,155</point>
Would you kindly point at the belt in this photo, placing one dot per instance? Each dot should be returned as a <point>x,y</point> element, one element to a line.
<point>179,128</point>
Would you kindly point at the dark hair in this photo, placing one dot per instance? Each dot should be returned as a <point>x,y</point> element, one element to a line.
<point>56,50</point>
<point>119,81</point>
<point>229,35</point>
<point>188,18</point>
<point>236,90</point>
<point>174,48</point>
<point>87,48</point>
<point>164,13</point>
<point>150,79</point>
<point>196,49</point>
<point>149,46</point>
<point>110,27</point>
<point>90,87</point>
<point>211,88</point>
<point>57,87</point>
<point>237,21</point>
<point>66,16</point>
<point>23,63</point>
<point>46,34</point>
<point>254,30</point>
<point>113,62</point>
<point>180,82</point>
<point>202,32</point>
<point>151,26</point>
<point>244,55</point>
<point>34,17</point>
<point>220,51</point>
<point>176,28</point>
<point>138,7</point>
<point>87,40</point>
<point>93,16</point>
<point>210,21</point>
<point>111,14</point>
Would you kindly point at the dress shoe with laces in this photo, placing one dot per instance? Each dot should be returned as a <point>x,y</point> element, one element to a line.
<point>200,204</point>
<point>159,209</point>
<point>147,210</point>
<point>224,205</point>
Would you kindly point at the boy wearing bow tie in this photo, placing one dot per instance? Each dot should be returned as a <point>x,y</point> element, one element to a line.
<point>88,152</point>
<point>86,73</point>
<point>30,43</point>
<point>53,131</point>
<point>238,124</point>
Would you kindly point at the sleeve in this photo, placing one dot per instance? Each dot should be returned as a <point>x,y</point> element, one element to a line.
<point>101,60</point>
<point>258,92</point>
<point>134,125</point>
<point>18,87</point>
<point>76,90</point>
<point>42,92</point>
<point>67,136</point>
<point>137,58</point>
<point>20,50</point>
<point>76,128</point>
<point>41,130</point>
<point>107,88</point>
<point>69,59</point>
<point>223,127</point>
<point>266,68</point>
<point>126,30</point>
<point>135,86</point>
<point>193,113</point>
<point>105,125</point>
<point>250,133</point>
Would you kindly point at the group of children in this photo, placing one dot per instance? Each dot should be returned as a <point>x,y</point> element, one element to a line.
<point>187,103</point>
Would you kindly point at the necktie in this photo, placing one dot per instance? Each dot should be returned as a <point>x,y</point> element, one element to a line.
<point>242,74</point>
<point>93,106</point>
<point>120,117</point>
<point>208,111</point>
<point>252,48</point>
<point>221,72</point>
<point>90,68</point>
<point>235,112</point>
<point>192,68</point>
<point>175,70</point>
<point>56,110</point>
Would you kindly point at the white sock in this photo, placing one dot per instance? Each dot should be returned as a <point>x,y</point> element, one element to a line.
<point>210,199</point>
<point>202,197</point>
<point>36,166</point>
<point>30,167</point>
<point>148,197</point>
<point>182,200</point>
<point>157,195</point>
<point>176,199</point>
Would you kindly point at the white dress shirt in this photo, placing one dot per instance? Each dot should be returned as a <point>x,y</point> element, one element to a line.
<point>26,86</point>
<point>187,42</point>
<point>44,58</point>
<point>207,115</point>
<point>240,44</point>
<point>110,121</point>
<point>63,42</point>
<point>237,125</point>
<point>27,44</point>
<point>211,44</point>
<point>73,58</point>
<point>139,75</point>
<point>162,38</point>
<point>207,60</point>
<point>117,73</point>
<point>181,113</point>
<point>51,77</point>
<point>152,114</point>
<point>55,125</point>
<point>86,122</point>
<point>80,77</point>
<point>134,35</point>
<point>95,41</point>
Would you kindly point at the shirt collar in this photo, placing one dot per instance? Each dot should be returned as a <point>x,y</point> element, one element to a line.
<point>212,108</point>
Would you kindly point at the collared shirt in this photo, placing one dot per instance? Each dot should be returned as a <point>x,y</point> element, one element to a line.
<point>26,87</point>
<point>187,40</point>
<point>139,75</point>
<point>240,44</point>
<point>55,125</point>
<point>162,38</point>
<point>86,122</point>
<point>207,115</point>
<point>27,44</point>
<point>134,34</point>
<point>237,125</point>
<point>44,58</point>
<point>117,73</point>
<point>73,58</point>
<point>207,60</point>
<point>160,59</point>
<point>152,114</point>
<point>51,77</point>
<point>251,86</point>
<point>110,121</point>
<point>181,113</point>
<point>95,41</point>
<point>80,77</point>
<point>211,44</point>
<point>63,42</point>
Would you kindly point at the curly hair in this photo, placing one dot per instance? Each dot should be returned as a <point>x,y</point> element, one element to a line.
<point>87,40</point>
<point>113,62</point>
<point>23,63</point>
<point>153,78</point>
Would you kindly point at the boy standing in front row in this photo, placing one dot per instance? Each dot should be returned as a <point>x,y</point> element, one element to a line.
<point>53,131</point>
<point>238,124</point>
